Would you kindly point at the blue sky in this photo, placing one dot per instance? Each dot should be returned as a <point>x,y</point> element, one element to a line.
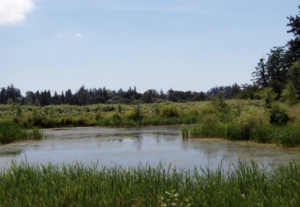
<point>151,44</point>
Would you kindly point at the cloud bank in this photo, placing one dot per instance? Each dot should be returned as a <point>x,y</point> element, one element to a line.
<point>14,11</point>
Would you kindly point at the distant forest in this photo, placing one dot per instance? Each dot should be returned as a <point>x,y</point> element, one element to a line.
<point>277,75</point>
<point>85,96</point>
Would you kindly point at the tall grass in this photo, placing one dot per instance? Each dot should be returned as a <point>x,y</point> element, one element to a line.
<point>79,185</point>
<point>287,136</point>
<point>10,132</point>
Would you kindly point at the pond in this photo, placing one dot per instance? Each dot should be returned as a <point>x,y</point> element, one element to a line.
<point>143,145</point>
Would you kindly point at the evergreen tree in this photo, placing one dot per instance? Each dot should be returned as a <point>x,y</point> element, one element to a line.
<point>293,45</point>
<point>260,76</point>
<point>276,67</point>
<point>68,97</point>
<point>3,98</point>
<point>62,98</point>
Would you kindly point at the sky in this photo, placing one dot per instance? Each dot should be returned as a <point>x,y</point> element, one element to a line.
<point>150,44</point>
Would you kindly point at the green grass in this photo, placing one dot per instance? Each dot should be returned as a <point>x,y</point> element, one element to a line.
<point>80,185</point>
<point>10,132</point>
<point>287,136</point>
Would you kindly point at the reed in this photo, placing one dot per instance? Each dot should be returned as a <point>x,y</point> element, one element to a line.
<point>287,136</point>
<point>10,132</point>
<point>246,184</point>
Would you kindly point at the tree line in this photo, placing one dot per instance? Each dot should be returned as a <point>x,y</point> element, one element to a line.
<point>280,71</point>
<point>83,96</point>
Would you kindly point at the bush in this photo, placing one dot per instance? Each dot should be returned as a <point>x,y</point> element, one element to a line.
<point>193,111</point>
<point>170,111</point>
<point>290,94</point>
<point>267,95</point>
<point>219,102</point>
<point>251,118</point>
<point>209,109</point>
<point>135,114</point>
<point>210,120</point>
<point>278,115</point>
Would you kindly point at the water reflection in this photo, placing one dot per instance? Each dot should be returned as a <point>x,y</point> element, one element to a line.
<point>10,153</point>
<point>138,142</point>
<point>130,147</point>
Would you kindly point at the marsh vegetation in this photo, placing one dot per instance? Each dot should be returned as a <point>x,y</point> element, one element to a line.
<point>10,132</point>
<point>246,184</point>
<point>255,120</point>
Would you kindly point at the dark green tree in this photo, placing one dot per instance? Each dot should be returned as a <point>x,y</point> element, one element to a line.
<point>83,96</point>
<point>260,76</point>
<point>68,97</point>
<point>294,75</point>
<point>276,67</point>
<point>3,98</point>
<point>293,53</point>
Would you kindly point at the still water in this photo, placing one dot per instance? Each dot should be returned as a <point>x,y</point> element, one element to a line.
<point>144,145</point>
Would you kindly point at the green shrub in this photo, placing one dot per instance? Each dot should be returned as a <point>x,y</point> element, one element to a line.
<point>290,94</point>
<point>251,118</point>
<point>170,111</point>
<point>108,108</point>
<point>278,115</point>
<point>134,114</point>
<point>210,120</point>
<point>193,111</point>
<point>267,95</point>
<point>219,102</point>
<point>208,109</point>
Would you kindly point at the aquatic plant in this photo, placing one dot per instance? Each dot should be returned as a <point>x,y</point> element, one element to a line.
<point>246,184</point>
<point>10,131</point>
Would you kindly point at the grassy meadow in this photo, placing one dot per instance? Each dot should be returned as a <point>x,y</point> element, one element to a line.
<point>246,184</point>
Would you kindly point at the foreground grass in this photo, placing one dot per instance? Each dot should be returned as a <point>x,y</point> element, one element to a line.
<point>79,185</point>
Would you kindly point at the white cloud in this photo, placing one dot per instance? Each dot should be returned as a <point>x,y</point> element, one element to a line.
<point>13,11</point>
<point>78,35</point>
